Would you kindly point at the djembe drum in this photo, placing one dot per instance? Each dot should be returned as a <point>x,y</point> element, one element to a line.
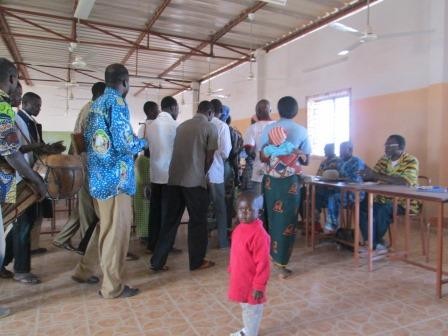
<point>63,174</point>
<point>26,197</point>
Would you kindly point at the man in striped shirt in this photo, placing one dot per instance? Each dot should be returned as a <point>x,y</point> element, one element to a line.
<point>395,167</point>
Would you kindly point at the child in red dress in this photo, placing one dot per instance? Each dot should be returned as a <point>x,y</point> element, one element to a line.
<point>249,265</point>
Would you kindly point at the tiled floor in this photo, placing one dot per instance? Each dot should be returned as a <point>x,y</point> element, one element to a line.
<point>326,296</point>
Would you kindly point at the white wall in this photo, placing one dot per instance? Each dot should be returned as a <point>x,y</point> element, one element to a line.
<point>376,68</point>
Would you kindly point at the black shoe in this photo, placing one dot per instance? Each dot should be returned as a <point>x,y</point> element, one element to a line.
<point>161,269</point>
<point>127,292</point>
<point>39,250</point>
<point>5,274</point>
<point>66,246</point>
<point>4,312</point>
<point>90,280</point>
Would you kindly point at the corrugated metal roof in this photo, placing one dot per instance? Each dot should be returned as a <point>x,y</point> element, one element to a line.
<point>178,43</point>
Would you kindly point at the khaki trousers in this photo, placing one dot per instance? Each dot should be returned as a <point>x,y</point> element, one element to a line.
<point>109,242</point>
<point>80,219</point>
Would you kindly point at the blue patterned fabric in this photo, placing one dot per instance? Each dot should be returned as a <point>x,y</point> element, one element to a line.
<point>111,145</point>
<point>332,198</point>
<point>350,169</point>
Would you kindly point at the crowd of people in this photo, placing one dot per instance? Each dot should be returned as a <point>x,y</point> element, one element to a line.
<point>149,179</point>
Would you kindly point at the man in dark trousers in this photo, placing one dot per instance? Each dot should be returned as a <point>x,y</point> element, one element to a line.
<point>194,145</point>
<point>18,242</point>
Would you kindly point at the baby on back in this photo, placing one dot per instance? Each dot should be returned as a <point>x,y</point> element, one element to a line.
<point>283,155</point>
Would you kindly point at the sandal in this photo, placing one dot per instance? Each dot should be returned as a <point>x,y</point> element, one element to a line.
<point>131,257</point>
<point>27,278</point>
<point>205,264</point>
<point>285,273</point>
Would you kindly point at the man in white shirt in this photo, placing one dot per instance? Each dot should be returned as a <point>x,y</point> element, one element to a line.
<point>160,135</point>
<point>252,141</point>
<point>216,175</point>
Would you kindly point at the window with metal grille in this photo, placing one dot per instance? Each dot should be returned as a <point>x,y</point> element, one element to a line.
<point>328,120</point>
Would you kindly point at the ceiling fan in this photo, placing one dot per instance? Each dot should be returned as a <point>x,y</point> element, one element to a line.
<point>214,93</point>
<point>77,61</point>
<point>364,37</point>
<point>251,76</point>
<point>367,35</point>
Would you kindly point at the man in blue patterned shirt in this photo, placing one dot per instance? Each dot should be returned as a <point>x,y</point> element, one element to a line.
<point>111,145</point>
<point>349,169</point>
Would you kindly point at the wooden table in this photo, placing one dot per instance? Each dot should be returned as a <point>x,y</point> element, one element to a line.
<point>353,187</point>
<point>408,193</point>
<point>395,192</point>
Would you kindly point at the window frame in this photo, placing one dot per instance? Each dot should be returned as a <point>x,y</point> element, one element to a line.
<point>331,95</point>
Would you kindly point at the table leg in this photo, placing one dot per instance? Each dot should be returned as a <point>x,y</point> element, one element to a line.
<point>407,228</point>
<point>392,234</point>
<point>439,252</point>
<point>313,207</point>
<point>53,218</point>
<point>356,242</point>
<point>370,230</point>
<point>307,214</point>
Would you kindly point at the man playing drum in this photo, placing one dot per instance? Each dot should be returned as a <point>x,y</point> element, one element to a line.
<point>18,242</point>
<point>11,159</point>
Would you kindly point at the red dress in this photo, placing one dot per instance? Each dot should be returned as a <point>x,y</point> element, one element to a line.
<point>249,265</point>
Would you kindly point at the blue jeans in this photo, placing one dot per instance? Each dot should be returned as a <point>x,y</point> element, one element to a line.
<point>331,199</point>
<point>217,196</point>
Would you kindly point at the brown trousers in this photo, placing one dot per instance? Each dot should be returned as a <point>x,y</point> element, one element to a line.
<point>109,243</point>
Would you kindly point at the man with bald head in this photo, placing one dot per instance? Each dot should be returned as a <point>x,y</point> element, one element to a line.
<point>252,143</point>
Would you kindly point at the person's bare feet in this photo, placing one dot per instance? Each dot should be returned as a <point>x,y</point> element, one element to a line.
<point>283,271</point>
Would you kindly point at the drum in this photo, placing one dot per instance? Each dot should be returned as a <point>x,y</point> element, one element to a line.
<point>63,174</point>
<point>26,197</point>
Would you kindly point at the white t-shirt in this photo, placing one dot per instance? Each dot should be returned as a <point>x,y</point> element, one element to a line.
<point>252,137</point>
<point>160,134</point>
<point>216,172</point>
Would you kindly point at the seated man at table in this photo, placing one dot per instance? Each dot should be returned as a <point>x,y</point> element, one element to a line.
<point>398,168</point>
<point>331,161</point>
<point>330,164</point>
<point>348,169</point>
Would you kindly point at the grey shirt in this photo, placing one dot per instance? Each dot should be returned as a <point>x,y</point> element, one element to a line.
<point>194,138</point>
